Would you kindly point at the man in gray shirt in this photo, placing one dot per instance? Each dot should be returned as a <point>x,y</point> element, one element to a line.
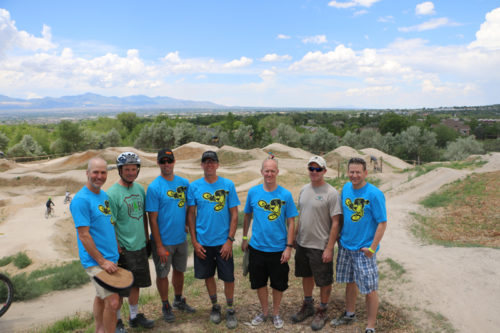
<point>317,232</point>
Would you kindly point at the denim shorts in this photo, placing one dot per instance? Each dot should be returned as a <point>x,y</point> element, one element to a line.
<point>355,266</point>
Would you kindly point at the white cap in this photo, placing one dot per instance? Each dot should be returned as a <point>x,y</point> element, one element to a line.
<point>318,160</point>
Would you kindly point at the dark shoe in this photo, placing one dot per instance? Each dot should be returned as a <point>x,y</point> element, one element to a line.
<point>215,314</point>
<point>319,319</point>
<point>231,320</point>
<point>307,310</point>
<point>183,306</point>
<point>142,321</point>
<point>344,319</point>
<point>168,315</point>
<point>370,330</point>
<point>119,327</point>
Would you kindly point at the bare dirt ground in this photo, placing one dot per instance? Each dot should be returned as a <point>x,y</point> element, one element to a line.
<point>459,283</point>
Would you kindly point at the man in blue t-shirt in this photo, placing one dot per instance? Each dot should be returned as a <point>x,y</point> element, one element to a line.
<point>272,209</point>
<point>365,221</point>
<point>166,207</point>
<point>213,218</point>
<point>97,246</point>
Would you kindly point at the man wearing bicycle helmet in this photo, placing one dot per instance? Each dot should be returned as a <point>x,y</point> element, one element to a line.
<point>131,227</point>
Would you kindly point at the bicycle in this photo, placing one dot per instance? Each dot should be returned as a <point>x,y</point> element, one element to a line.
<point>49,212</point>
<point>67,199</point>
<point>6,293</point>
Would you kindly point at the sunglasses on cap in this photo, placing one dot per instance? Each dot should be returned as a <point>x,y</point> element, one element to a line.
<point>311,168</point>
<point>165,160</point>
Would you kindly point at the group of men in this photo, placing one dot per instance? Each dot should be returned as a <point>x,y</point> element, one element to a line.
<point>208,209</point>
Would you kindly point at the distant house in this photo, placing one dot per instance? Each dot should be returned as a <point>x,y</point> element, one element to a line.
<point>457,125</point>
<point>338,123</point>
<point>311,129</point>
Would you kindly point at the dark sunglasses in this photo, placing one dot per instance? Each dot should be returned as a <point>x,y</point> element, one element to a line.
<point>166,161</point>
<point>315,169</point>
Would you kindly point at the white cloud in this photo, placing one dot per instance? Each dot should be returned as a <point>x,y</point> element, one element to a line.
<point>267,75</point>
<point>281,36</point>
<point>488,36</point>
<point>11,38</point>
<point>385,19</point>
<point>238,63</point>
<point>360,12</point>
<point>353,3</point>
<point>429,25</point>
<point>274,57</point>
<point>425,8</point>
<point>318,39</point>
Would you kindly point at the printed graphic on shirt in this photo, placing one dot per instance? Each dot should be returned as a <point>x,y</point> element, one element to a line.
<point>106,210</point>
<point>358,207</point>
<point>135,207</point>
<point>274,207</point>
<point>219,196</point>
<point>179,194</point>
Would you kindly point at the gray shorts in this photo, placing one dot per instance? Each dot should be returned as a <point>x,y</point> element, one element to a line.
<point>177,258</point>
<point>309,262</point>
<point>100,292</point>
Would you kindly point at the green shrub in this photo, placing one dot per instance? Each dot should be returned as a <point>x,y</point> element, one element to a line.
<point>21,260</point>
<point>4,261</point>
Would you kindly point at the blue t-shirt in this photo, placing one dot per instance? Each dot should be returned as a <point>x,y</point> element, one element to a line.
<point>363,210</point>
<point>212,203</point>
<point>92,210</point>
<point>168,198</point>
<point>270,213</point>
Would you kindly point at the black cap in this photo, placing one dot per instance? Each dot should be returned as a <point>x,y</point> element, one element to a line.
<point>209,155</point>
<point>165,153</point>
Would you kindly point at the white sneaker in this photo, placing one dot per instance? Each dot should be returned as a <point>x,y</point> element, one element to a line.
<point>277,321</point>
<point>259,319</point>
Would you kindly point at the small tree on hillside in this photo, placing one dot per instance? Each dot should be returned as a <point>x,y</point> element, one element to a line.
<point>112,138</point>
<point>287,135</point>
<point>4,141</point>
<point>463,148</point>
<point>155,136</point>
<point>322,141</point>
<point>26,147</point>
<point>350,139</point>
<point>184,133</point>
<point>241,136</point>
<point>417,144</point>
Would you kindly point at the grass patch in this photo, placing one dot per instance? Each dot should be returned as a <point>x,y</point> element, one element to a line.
<point>71,324</point>
<point>458,165</point>
<point>463,213</point>
<point>4,261</point>
<point>21,260</point>
<point>42,281</point>
<point>390,269</point>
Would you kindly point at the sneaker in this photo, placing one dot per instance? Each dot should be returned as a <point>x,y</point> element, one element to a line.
<point>307,310</point>
<point>277,321</point>
<point>259,319</point>
<point>142,321</point>
<point>183,306</point>
<point>231,320</point>
<point>120,328</point>
<point>319,320</point>
<point>168,315</point>
<point>370,330</point>
<point>344,319</point>
<point>215,314</point>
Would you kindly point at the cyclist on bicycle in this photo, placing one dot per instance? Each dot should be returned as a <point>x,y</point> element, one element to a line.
<point>49,205</point>
<point>67,198</point>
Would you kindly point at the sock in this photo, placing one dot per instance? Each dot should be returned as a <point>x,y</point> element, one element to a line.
<point>349,314</point>
<point>166,304</point>
<point>178,298</point>
<point>213,299</point>
<point>229,302</point>
<point>308,299</point>
<point>323,305</point>
<point>133,310</point>
<point>118,315</point>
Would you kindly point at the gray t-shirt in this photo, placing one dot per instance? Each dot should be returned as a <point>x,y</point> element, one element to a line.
<point>317,207</point>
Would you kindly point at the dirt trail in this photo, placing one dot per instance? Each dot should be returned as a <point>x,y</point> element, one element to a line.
<point>459,283</point>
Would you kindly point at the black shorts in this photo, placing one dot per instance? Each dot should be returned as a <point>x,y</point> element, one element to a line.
<point>309,262</point>
<point>137,262</point>
<point>205,268</point>
<point>267,265</point>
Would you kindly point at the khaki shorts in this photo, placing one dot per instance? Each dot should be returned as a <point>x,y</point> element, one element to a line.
<point>101,292</point>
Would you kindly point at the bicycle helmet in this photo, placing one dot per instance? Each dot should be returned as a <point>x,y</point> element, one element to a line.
<point>128,158</point>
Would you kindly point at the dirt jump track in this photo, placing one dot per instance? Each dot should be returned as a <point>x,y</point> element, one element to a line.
<point>460,283</point>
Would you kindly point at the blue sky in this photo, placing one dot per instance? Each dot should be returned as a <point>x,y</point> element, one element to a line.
<point>275,53</point>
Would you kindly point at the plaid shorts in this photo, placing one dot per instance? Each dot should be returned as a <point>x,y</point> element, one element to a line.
<point>354,266</point>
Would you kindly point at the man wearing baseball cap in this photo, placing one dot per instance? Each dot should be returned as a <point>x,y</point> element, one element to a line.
<point>317,231</point>
<point>213,218</point>
<point>166,207</point>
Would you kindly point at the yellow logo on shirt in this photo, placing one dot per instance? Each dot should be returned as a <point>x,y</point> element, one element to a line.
<point>358,207</point>
<point>219,197</point>
<point>274,207</point>
<point>179,194</point>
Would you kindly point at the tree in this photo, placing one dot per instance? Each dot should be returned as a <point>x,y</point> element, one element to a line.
<point>417,144</point>
<point>444,134</point>
<point>4,141</point>
<point>322,141</point>
<point>287,135</point>
<point>70,135</point>
<point>128,119</point>
<point>350,139</point>
<point>155,136</point>
<point>241,136</point>
<point>393,123</point>
<point>184,133</point>
<point>112,138</point>
<point>463,148</point>
<point>27,147</point>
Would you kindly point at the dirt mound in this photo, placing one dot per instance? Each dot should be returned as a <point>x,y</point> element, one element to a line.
<point>348,152</point>
<point>192,150</point>
<point>283,151</point>
<point>6,165</point>
<point>388,159</point>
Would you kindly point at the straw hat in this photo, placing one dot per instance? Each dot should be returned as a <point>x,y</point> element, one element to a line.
<point>116,282</point>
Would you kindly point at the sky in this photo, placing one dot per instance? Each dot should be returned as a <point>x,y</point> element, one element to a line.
<point>259,53</point>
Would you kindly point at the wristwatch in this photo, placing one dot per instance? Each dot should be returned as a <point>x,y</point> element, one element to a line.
<point>289,245</point>
<point>230,238</point>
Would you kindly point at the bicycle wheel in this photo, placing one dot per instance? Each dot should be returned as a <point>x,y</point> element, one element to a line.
<point>6,293</point>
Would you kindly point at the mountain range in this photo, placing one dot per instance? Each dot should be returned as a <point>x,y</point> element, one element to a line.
<point>95,101</point>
